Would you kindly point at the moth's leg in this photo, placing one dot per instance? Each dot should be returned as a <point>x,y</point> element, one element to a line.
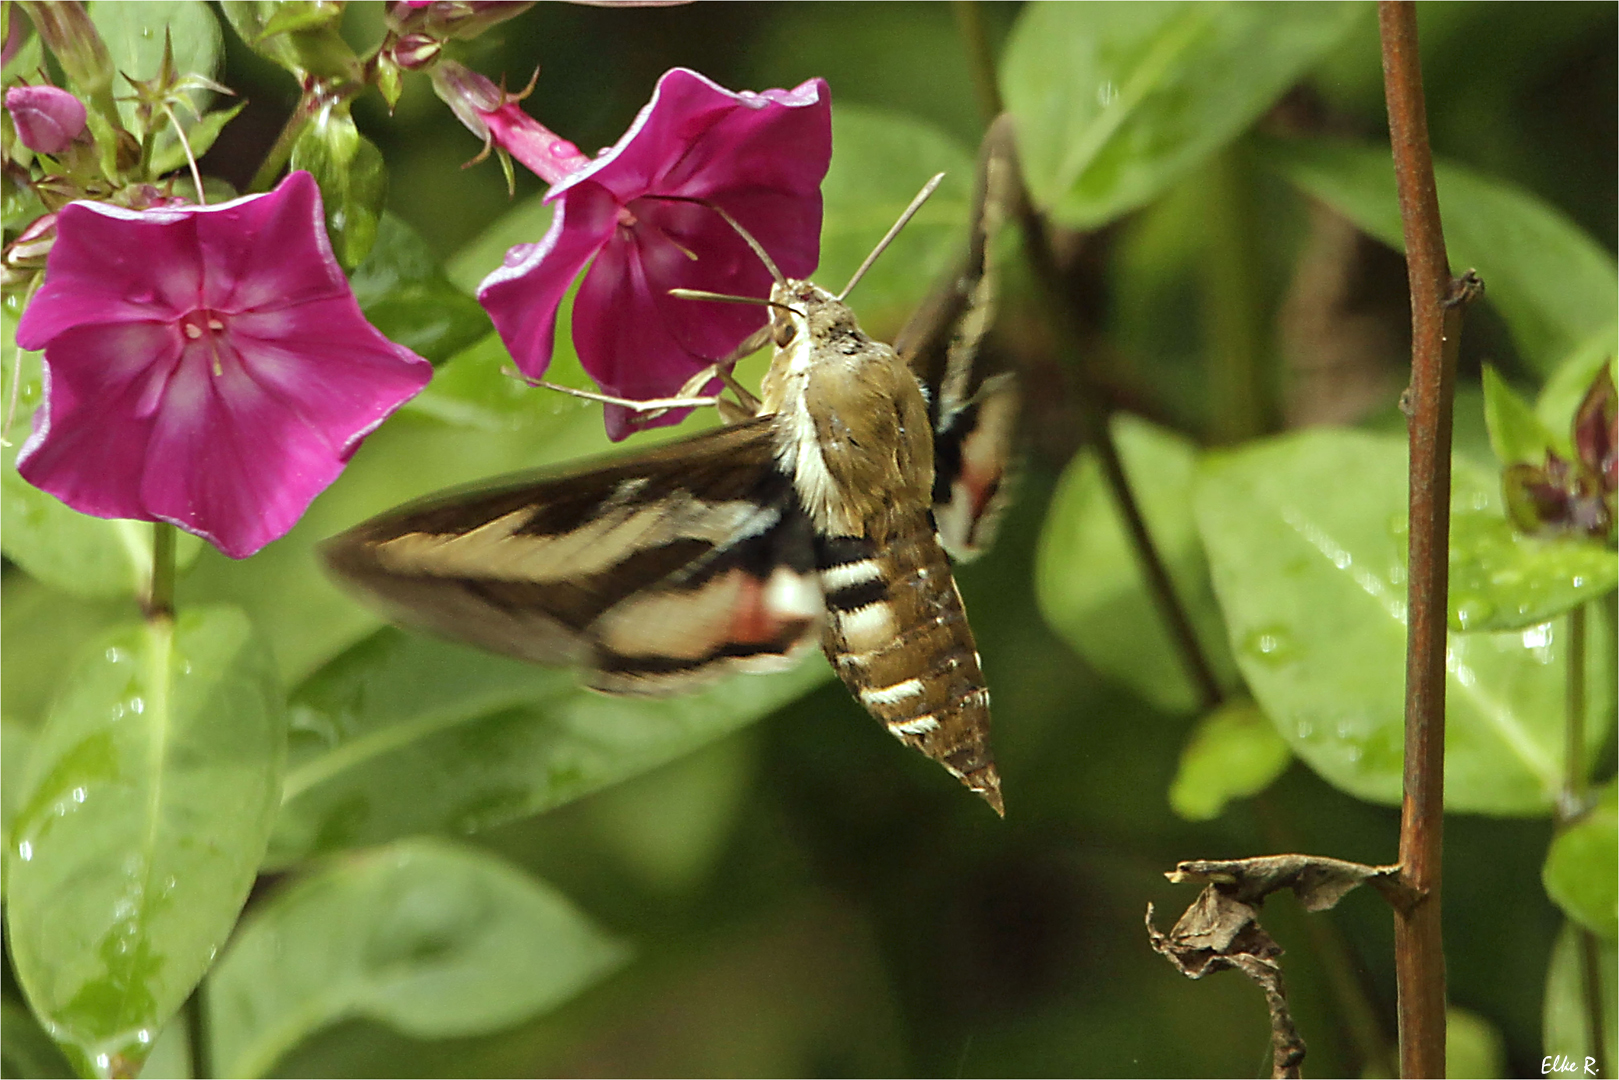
<point>651,405</point>
<point>749,403</point>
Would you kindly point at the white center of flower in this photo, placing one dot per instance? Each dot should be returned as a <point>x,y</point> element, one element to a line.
<point>200,323</point>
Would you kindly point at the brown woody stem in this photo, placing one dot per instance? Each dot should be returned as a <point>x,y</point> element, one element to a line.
<point>1436,306</point>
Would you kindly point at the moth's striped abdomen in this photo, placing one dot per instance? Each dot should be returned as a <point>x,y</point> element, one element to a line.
<point>897,635</point>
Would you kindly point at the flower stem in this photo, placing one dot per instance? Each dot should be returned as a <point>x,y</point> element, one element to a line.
<point>191,159</point>
<point>1575,773</point>
<point>160,596</point>
<point>280,153</point>
<point>1572,805</point>
<point>1436,306</point>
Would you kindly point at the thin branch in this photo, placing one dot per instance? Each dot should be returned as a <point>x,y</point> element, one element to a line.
<point>1093,421</point>
<point>980,57</point>
<point>1436,307</point>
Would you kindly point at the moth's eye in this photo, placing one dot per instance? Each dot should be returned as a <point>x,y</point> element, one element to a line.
<point>782,333</point>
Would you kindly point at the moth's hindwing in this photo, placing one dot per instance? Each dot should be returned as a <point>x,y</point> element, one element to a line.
<point>973,407</point>
<point>654,574</point>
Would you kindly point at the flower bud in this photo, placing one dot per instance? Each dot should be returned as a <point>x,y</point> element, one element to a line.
<point>72,38</point>
<point>415,51</point>
<point>47,119</point>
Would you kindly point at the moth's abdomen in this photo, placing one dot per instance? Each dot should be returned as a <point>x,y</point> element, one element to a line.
<point>897,635</point>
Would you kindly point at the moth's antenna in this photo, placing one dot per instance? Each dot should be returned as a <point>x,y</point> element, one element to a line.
<point>904,219</point>
<point>758,249</point>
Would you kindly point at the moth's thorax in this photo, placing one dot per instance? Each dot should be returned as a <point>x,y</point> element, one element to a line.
<point>853,429</point>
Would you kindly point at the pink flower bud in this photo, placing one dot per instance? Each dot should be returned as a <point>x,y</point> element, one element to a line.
<point>47,119</point>
<point>415,51</point>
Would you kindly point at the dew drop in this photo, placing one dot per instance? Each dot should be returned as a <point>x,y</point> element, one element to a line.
<point>1271,645</point>
<point>78,795</point>
<point>1106,94</point>
<point>144,1036</point>
<point>137,705</point>
<point>1474,612</point>
<point>25,851</point>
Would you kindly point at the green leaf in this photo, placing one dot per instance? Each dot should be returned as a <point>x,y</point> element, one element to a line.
<point>435,939</point>
<point>880,160</point>
<point>1516,433</point>
<point>1566,1030</point>
<point>1114,102</point>
<point>1234,752</point>
<point>134,34</point>
<point>1089,581</point>
<point>90,557</point>
<point>404,734</point>
<point>300,35</point>
<point>94,558</point>
<point>405,294</point>
<point>1552,283</point>
<point>301,612</point>
<point>148,803</point>
<point>27,1050</point>
<point>1306,539</point>
<point>1582,867</point>
<point>44,630</point>
<point>525,223</point>
<point>352,177</point>
<point>1501,579</point>
<point>1473,1046</point>
<point>171,153</point>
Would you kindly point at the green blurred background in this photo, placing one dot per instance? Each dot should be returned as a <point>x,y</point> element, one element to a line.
<point>807,897</point>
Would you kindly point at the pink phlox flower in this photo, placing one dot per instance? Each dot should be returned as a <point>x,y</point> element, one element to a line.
<point>205,366</point>
<point>495,115</point>
<point>635,214</point>
<point>47,119</point>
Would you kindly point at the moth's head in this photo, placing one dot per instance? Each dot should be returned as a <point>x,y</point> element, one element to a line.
<point>792,304</point>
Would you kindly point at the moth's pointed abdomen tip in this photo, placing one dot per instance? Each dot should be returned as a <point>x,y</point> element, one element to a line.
<point>986,782</point>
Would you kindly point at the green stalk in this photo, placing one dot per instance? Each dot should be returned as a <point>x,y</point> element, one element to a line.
<point>159,602</point>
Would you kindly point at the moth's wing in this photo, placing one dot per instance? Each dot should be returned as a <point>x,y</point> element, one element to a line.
<point>653,574</point>
<point>973,407</point>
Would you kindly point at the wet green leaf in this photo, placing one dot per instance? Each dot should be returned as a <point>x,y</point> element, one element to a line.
<point>1566,1030</point>
<point>1516,433</point>
<point>149,799</point>
<point>1089,580</point>
<point>1582,867</point>
<point>404,734</point>
<point>1306,538</point>
<point>405,294</point>
<point>1501,579</point>
<point>1234,752</point>
<point>1114,102</point>
<point>435,939</point>
<point>134,34</point>
<point>1552,283</point>
<point>352,177</point>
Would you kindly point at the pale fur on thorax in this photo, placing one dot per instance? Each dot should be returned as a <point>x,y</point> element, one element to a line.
<point>825,380</point>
